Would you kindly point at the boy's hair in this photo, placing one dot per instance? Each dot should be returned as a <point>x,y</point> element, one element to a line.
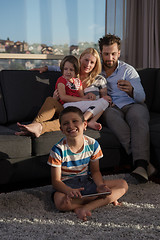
<point>108,40</point>
<point>72,59</point>
<point>71,110</point>
<point>96,70</point>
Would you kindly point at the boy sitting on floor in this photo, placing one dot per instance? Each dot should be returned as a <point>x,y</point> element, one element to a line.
<point>75,169</point>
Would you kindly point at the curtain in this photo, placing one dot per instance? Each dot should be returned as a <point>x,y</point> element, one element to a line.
<point>142,41</point>
<point>115,21</point>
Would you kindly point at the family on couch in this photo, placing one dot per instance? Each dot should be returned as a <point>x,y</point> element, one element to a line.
<point>127,116</point>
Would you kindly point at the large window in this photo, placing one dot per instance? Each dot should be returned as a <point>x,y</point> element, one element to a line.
<point>49,27</point>
<point>36,32</point>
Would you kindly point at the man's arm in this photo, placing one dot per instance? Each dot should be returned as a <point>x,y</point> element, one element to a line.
<point>53,68</point>
<point>46,68</point>
<point>132,85</point>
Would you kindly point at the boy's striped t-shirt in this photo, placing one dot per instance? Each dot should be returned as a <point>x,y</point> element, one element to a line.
<point>74,164</point>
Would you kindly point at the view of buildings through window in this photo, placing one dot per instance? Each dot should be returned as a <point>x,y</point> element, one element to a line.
<point>50,29</point>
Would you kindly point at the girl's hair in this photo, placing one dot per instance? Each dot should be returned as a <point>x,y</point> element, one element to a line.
<point>97,68</point>
<point>72,59</point>
<point>71,109</point>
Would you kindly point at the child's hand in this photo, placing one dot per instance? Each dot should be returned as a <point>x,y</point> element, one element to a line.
<point>103,188</point>
<point>74,193</point>
<point>56,94</point>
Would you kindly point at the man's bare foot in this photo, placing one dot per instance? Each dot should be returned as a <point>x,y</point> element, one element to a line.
<point>94,125</point>
<point>82,213</point>
<point>33,128</point>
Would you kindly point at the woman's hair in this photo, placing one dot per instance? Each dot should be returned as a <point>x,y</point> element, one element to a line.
<point>72,59</point>
<point>97,68</point>
<point>71,109</point>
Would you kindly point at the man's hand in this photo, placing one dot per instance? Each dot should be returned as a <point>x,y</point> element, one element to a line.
<point>41,69</point>
<point>125,86</point>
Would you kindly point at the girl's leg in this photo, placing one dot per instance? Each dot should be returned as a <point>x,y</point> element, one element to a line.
<point>92,123</point>
<point>37,128</point>
<point>34,128</point>
<point>41,123</point>
<point>94,107</point>
<point>48,110</point>
<point>94,112</point>
<point>50,126</point>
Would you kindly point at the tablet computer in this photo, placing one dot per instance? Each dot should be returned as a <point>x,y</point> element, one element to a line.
<point>96,194</point>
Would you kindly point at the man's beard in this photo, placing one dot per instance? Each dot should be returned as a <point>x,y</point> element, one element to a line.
<point>105,64</point>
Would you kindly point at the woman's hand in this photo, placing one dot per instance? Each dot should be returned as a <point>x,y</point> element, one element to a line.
<point>108,99</point>
<point>41,69</point>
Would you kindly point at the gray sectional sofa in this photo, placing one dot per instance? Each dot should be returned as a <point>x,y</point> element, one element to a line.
<point>23,158</point>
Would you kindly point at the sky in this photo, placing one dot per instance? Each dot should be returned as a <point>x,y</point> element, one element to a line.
<point>59,21</point>
<point>52,21</point>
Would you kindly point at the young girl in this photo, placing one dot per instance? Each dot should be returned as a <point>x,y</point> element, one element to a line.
<point>71,93</point>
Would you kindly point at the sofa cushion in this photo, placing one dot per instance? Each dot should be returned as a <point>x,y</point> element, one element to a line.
<point>45,142</point>
<point>148,79</point>
<point>12,146</point>
<point>25,91</point>
<point>105,137</point>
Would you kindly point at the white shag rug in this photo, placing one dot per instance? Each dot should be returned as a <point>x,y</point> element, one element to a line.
<point>30,215</point>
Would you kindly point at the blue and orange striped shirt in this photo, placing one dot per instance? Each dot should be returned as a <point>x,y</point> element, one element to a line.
<point>74,164</point>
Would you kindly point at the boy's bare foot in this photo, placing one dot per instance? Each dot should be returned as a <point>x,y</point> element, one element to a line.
<point>82,213</point>
<point>94,125</point>
<point>116,203</point>
<point>33,128</point>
